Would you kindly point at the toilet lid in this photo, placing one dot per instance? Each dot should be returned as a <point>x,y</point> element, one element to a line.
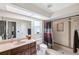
<point>43,45</point>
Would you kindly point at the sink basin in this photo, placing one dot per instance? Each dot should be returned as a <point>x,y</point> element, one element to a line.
<point>19,42</point>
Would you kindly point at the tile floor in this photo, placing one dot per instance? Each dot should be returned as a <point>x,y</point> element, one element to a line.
<point>61,52</point>
<point>57,52</point>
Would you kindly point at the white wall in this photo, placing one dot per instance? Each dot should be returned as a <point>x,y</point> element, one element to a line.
<point>61,37</point>
<point>66,37</point>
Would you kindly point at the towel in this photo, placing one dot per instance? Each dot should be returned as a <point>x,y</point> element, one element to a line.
<point>76,41</point>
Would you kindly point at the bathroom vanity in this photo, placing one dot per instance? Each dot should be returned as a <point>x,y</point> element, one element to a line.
<point>24,47</point>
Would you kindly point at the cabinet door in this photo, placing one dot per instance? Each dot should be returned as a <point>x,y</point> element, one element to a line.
<point>26,52</point>
<point>14,51</point>
<point>6,53</point>
<point>26,49</point>
<point>20,50</point>
<point>32,48</point>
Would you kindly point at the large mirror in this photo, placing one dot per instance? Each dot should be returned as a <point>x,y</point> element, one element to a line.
<point>2,30</point>
<point>14,29</point>
<point>11,29</point>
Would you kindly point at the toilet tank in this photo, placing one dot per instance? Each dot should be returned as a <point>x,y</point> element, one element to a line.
<point>39,40</point>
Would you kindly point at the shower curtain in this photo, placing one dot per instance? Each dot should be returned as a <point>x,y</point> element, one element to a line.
<point>48,34</point>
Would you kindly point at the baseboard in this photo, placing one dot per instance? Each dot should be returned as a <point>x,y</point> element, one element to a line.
<point>63,46</point>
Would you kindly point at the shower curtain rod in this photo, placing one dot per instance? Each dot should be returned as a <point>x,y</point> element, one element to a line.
<point>66,17</point>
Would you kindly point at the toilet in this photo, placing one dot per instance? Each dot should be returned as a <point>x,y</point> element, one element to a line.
<point>43,48</point>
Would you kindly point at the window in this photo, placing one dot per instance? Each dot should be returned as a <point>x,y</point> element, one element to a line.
<point>37,27</point>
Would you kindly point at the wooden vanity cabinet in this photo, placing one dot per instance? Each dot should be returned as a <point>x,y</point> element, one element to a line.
<point>28,49</point>
<point>8,52</point>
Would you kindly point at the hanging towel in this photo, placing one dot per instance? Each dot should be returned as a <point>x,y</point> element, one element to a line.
<point>76,41</point>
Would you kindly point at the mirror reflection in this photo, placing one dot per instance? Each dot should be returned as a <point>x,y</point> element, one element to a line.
<point>2,30</point>
<point>11,29</point>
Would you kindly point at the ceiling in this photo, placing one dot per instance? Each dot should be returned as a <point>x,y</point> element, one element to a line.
<point>53,7</point>
<point>34,8</point>
<point>46,9</point>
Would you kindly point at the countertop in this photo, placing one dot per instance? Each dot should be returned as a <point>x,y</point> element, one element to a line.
<point>14,44</point>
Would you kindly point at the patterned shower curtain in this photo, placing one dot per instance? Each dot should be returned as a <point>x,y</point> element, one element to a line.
<point>48,34</point>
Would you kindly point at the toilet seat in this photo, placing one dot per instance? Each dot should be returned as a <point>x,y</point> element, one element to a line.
<point>43,46</point>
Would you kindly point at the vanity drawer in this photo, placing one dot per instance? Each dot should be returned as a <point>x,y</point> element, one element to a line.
<point>25,47</point>
<point>19,50</point>
<point>15,51</point>
<point>26,52</point>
